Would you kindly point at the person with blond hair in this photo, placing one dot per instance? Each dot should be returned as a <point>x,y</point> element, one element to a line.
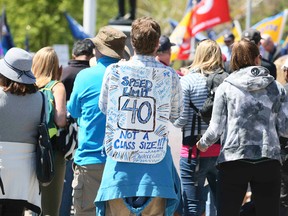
<point>195,166</point>
<point>250,111</point>
<point>139,97</point>
<point>48,73</point>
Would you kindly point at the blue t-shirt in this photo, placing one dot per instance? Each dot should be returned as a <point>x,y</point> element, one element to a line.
<point>83,105</point>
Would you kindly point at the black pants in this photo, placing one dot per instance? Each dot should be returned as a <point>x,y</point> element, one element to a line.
<point>12,208</point>
<point>248,209</point>
<point>264,179</point>
<point>121,5</point>
<point>284,190</point>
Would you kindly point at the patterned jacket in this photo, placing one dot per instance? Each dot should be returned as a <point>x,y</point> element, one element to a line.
<point>250,111</point>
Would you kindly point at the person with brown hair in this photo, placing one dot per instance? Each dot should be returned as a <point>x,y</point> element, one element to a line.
<point>255,36</point>
<point>20,114</point>
<point>250,111</point>
<point>48,73</point>
<point>139,96</point>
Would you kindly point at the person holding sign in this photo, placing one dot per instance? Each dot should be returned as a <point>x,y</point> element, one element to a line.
<point>139,97</point>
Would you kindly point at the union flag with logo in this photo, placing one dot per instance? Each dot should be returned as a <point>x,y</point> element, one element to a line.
<point>204,15</point>
<point>209,13</point>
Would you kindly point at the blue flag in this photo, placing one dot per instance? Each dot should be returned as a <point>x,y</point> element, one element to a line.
<point>5,35</point>
<point>76,29</point>
<point>173,23</point>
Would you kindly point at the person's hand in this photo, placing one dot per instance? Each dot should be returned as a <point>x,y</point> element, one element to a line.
<point>201,148</point>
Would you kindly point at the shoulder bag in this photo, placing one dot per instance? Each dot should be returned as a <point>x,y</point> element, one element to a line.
<point>44,152</point>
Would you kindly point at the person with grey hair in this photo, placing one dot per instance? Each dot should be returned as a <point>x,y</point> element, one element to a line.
<point>271,51</point>
<point>82,52</point>
<point>90,158</point>
<point>229,39</point>
<point>20,114</point>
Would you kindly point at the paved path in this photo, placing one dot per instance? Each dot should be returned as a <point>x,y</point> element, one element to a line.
<point>175,138</point>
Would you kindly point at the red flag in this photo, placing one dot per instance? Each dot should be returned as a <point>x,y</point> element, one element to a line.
<point>209,13</point>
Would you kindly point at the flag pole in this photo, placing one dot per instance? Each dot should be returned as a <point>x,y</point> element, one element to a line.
<point>193,40</point>
<point>248,14</point>
<point>283,25</point>
<point>89,16</point>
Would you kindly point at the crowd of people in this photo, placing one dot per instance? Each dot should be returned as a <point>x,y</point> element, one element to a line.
<point>123,106</point>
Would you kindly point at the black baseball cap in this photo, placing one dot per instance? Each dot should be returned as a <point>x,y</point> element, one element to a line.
<point>252,35</point>
<point>229,36</point>
<point>165,43</point>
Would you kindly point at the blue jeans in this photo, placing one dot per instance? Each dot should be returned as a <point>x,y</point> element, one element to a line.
<point>194,191</point>
<point>210,204</point>
<point>66,202</point>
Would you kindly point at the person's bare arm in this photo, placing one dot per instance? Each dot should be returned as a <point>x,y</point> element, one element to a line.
<point>60,104</point>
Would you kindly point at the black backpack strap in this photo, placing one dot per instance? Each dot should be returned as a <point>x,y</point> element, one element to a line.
<point>196,113</point>
<point>43,108</point>
<point>2,187</point>
<point>198,151</point>
<point>194,107</point>
<point>192,134</point>
<point>197,139</point>
<point>42,119</point>
<point>194,117</point>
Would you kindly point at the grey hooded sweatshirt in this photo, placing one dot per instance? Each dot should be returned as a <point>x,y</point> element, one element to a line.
<point>250,110</point>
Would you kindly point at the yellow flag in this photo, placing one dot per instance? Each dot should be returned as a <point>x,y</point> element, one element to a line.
<point>273,25</point>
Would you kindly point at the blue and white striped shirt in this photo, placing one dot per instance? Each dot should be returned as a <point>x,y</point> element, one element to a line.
<point>194,88</point>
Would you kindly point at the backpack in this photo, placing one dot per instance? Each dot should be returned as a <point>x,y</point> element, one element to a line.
<point>213,81</point>
<point>47,90</point>
<point>205,113</point>
<point>64,139</point>
<point>44,153</point>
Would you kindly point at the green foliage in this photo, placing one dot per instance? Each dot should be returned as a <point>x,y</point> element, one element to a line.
<point>44,22</point>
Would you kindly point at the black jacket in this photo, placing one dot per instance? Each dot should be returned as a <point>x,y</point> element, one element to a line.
<point>69,74</point>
